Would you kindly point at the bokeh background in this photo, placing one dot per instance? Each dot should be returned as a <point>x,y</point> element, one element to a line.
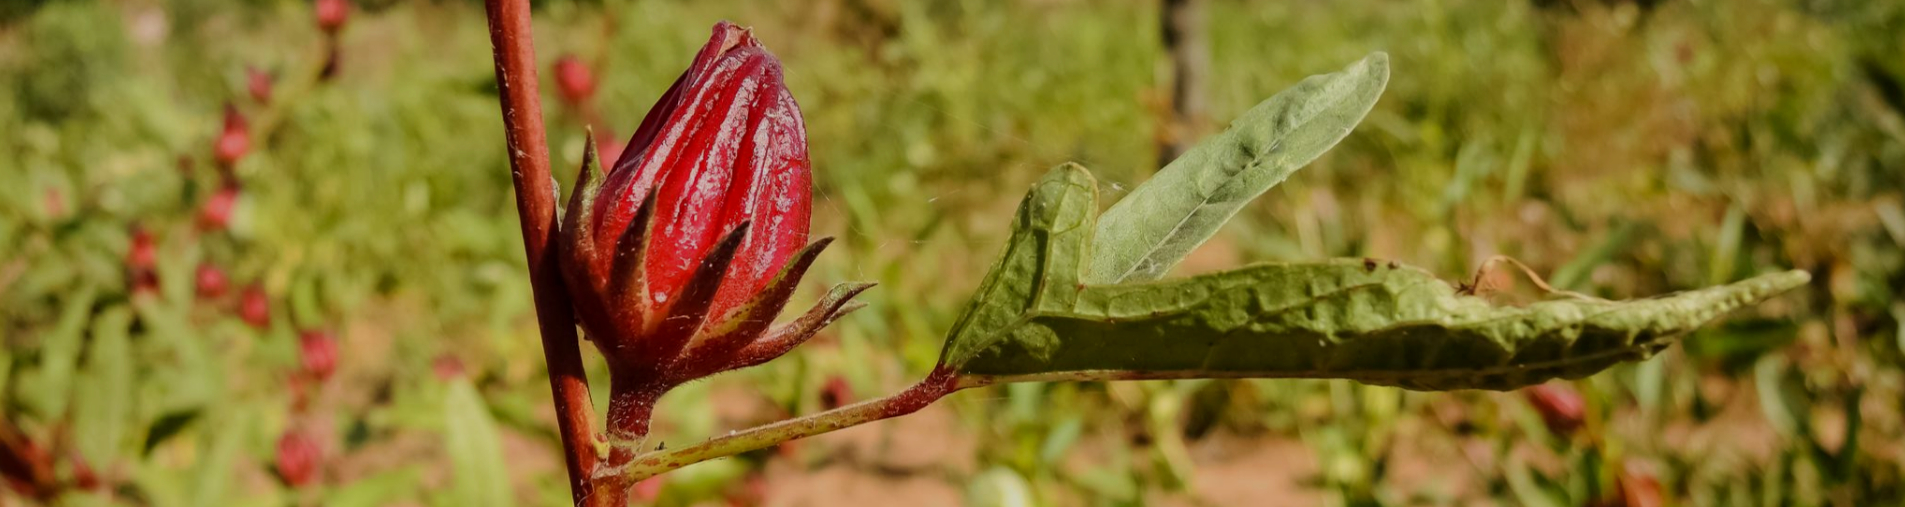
<point>1624,149</point>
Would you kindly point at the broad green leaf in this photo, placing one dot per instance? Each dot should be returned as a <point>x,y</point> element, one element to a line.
<point>1147,232</point>
<point>59,355</point>
<point>102,406</point>
<point>1347,318</point>
<point>479,476</point>
<point>223,448</point>
<point>1051,237</point>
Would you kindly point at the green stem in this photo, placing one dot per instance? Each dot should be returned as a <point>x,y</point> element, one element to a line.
<point>936,385</point>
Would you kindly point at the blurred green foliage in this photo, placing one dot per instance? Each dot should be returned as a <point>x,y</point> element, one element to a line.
<point>1627,149</point>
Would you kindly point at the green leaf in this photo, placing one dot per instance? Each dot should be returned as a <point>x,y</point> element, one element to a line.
<point>59,355</point>
<point>102,406</point>
<point>1348,318</point>
<point>479,477</point>
<point>1379,323</point>
<point>1051,237</point>
<point>1147,232</point>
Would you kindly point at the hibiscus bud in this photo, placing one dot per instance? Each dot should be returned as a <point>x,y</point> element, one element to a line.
<point>835,393</point>
<point>299,459</point>
<point>142,261</point>
<point>54,203</point>
<point>683,254</point>
<point>1560,406</point>
<point>331,15</point>
<point>211,281</point>
<point>317,350</point>
<point>234,140</point>
<point>254,307</point>
<point>574,80</point>
<point>447,367</point>
<point>258,82</point>
<point>216,214</point>
<point>144,253</point>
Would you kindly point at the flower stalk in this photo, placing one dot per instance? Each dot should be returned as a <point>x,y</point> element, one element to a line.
<point>515,55</point>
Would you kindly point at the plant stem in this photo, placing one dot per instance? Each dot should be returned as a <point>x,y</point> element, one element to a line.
<point>936,385</point>
<point>512,36</point>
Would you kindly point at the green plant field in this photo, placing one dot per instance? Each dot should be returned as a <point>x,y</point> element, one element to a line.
<point>1621,149</point>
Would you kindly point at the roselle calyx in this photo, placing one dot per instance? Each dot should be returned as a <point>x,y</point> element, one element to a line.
<point>210,281</point>
<point>299,459</point>
<point>234,139</point>
<point>679,259</point>
<point>258,83</point>
<point>331,14</point>
<point>574,81</point>
<point>317,353</point>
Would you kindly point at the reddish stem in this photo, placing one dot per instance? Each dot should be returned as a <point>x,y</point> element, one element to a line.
<point>512,36</point>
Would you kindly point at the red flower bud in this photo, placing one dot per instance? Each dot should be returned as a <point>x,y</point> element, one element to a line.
<point>1560,406</point>
<point>254,307</point>
<point>1634,486</point>
<point>234,140</point>
<point>258,82</point>
<point>835,393</point>
<point>574,81</point>
<point>142,262</point>
<point>299,459</point>
<point>680,258</point>
<point>447,367</point>
<point>55,203</point>
<point>317,350</point>
<point>144,253</point>
<point>211,281</point>
<point>331,14</point>
<point>217,211</point>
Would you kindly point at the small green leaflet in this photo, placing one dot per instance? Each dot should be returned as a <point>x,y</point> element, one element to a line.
<point>1147,232</point>
<point>1378,323</point>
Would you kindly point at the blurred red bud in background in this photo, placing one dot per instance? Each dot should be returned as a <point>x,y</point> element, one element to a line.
<point>1560,406</point>
<point>234,140</point>
<point>212,282</point>
<point>258,82</point>
<point>317,350</point>
<point>255,307</point>
<point>331,15</point>
<point>575,82</point>
<point>299,459</point>
<point>216,214</point>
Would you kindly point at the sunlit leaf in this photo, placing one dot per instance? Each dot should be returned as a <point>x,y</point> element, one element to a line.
<point>479,475</point>
<point>102,409</point>
<point>1375,322</point>
<point>1149,231</point>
